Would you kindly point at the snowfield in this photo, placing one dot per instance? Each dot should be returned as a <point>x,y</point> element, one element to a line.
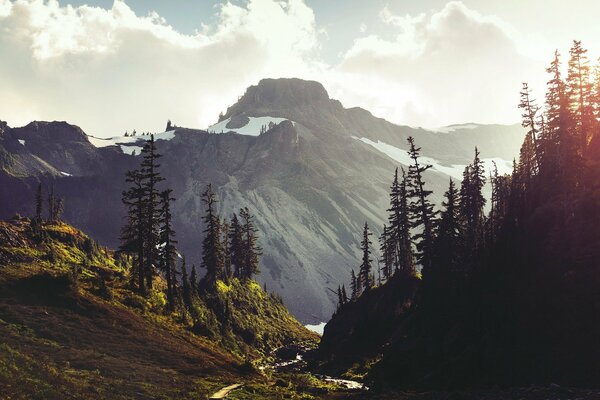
<point>118,140</point>
<point>454,170</point>
<point>252,128</point>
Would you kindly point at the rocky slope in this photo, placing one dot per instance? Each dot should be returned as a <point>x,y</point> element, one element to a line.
<point>312,179</point>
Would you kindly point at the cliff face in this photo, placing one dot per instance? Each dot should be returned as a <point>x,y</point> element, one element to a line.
<point>312,179</point>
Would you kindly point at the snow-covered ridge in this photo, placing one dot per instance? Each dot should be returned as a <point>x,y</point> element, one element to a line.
<point>454,170</point>
<point>127,141</point>
<point>252,128</point>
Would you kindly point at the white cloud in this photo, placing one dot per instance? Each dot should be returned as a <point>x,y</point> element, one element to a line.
<point>451,65</point>
<point>110,70</point>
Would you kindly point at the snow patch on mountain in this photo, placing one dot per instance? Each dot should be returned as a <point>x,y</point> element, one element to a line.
<point>22,142</point>
<point>252,128</point>
<point>455,170</point>
<point>453,128</point>
<point>318,328</point>
<point>119,140</point>
<point>131,149</point>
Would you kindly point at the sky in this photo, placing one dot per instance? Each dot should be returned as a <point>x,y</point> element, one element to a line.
<point>115,66</point>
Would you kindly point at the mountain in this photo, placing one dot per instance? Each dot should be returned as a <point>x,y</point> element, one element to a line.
<point>310,170</point>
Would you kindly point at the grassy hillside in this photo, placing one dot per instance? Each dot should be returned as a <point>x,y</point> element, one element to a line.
<point>70,327</point>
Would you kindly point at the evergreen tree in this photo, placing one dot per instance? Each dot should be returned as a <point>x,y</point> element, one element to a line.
<point>39,199</point>
<point>227,273</point>
<point>236,246</point>
<point>212,250</point>
<point>472,203</point>
<point>344,294</point>
<point>420,207</point>
<point>51,204</point>
<point>340,297</point>
<point>354,287</point>
<point>399,246</point>
<point>168,252</point>
<point>133,233</point>
<point>194,282</point>
<point>186,286</point>
<point>580,95</point>
<point>448,240</point>
<point>364,275</point>
<point>529,115</point>
<point>387,253</point>
<point>150,177</point>
<point>251,249</point>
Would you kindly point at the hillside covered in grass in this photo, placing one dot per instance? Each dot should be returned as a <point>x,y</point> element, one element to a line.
<point>71,327</point>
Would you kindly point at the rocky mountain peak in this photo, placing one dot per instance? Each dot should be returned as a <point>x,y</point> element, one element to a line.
<point>56,131</point>
<point>281,97</point>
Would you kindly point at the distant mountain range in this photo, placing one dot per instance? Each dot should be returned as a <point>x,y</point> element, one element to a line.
<point>310,170</point>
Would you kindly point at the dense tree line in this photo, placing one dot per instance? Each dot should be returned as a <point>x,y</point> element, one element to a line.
<point>512,285</point>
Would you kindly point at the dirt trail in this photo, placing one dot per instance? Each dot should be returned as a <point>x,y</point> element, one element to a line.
<point>223,393</point>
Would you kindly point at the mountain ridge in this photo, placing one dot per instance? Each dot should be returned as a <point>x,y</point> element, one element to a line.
<point>311,182</point>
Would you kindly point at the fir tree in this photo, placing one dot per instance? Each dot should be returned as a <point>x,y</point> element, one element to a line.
<point>421,209</point>
<point>133,233</point>
<point>579,92</point>
<point>364,274</point>
<point>150,179</point>
<point>51,204</point>
<point>344,294</point>
<point>251,250</point>
<point>448,240</point>
<point>529,115</point>
<point>354,287</point>
<point>194,282</point>
<point>399,245</point>
<point>212,250</point>
<point>39,199</point>
<point>168,252</point>
<point>236,246</point>
<point>186,286</point>
<point>227,273</point>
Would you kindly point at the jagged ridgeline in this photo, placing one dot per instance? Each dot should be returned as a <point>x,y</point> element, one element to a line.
<point>463,297</point>
<point>79,319</point>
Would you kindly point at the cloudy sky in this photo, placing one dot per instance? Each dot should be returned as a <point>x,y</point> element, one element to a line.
<point>111,66</point>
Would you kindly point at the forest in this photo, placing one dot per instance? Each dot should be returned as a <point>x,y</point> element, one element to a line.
<point>508,295</point>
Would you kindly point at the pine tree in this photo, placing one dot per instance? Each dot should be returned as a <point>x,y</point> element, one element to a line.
<point>227,273</point>
<point>354,287</point>
<point>39,199</point>
<point>579,92</point>
<point>133,233</point>
<point>364,274</point>
<point>421,209</point>
<point>344,294</point>
<point>168,252</point>
<point>340,297</point>
<point>387,253</point>
<point>251,249</point>
<point>529,115</point>
<point>185,283</point>
<point>472,203</point>
<point>194,283</point>
<point>212,250</point>
<point>150,179</point>
<point>448,241</point>
<point>236,246</point>
<point>51,204</point>
<point>399,245</point>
